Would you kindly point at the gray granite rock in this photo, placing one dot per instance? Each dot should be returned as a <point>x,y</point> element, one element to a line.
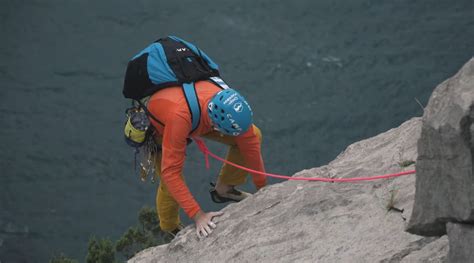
<point>445,180</point>
<point>299,221</point>
<point>461,243</point>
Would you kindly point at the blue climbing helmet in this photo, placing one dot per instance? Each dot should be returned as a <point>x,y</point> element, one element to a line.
<point>230,113</point>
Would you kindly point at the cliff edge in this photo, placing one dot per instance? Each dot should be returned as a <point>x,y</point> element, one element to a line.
<point>299,221</point>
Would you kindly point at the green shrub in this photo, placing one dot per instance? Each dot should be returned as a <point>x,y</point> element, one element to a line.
<point>406,163</point>
<point>100,251</point>
<point>61,258</point>
<point>146,234</point>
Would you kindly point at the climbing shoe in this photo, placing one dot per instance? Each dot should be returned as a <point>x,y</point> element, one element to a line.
<point>232,195</point>
<point>170,235</point>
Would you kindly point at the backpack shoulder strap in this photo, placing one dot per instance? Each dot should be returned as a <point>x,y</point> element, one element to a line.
<point>144,107</point>
<point>193,104</point>
<point>192,101</point>
<point>219,82</point>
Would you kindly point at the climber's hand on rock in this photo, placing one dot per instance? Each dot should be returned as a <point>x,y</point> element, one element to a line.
<point>204,224</point>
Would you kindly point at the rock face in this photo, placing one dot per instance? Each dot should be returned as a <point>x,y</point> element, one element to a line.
<point>321,222</point>
<point>300,221</point>
<point>461,238</point>
<point>445,180</point>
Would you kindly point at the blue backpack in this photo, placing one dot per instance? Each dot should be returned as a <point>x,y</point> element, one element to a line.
<point>167,62</point>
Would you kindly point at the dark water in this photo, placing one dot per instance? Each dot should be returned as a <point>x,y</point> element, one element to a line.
<point>320,74</point>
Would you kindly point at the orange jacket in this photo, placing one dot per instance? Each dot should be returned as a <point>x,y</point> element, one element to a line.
<point>170,107</point>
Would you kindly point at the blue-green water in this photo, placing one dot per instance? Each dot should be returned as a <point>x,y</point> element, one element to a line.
<point>320,74</point>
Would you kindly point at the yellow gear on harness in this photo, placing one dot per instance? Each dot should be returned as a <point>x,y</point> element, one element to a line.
<point>136,127</point>
<point>133,134</point>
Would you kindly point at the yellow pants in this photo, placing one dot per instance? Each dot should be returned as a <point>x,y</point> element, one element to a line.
<point>168,209</point>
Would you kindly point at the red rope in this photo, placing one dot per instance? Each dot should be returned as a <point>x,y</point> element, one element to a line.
<point>203,148</point>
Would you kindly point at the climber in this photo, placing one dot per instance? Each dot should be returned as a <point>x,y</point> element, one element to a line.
<point>225,117</point>
<point>186,97</point>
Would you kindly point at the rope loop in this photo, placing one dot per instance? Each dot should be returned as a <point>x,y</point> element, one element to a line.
<point>203,148</point>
